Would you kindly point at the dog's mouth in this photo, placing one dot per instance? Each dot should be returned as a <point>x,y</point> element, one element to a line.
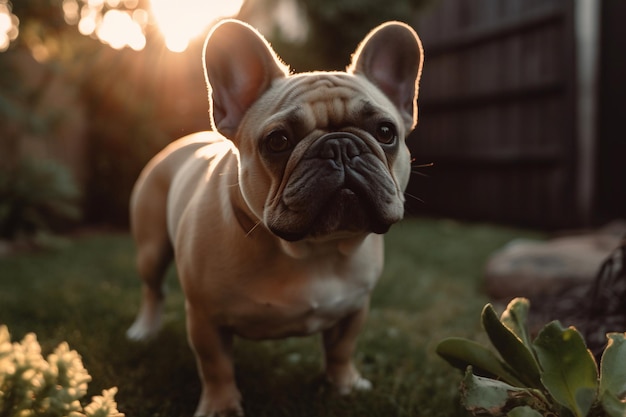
<point>344,212</point>
<point>346,194</point>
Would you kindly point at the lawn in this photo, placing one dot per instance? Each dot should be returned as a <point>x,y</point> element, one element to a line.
<point>87,294</point>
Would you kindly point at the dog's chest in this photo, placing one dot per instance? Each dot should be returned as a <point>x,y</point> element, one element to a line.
<point>297,303</point>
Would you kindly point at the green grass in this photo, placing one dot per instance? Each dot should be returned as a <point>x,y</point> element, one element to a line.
<point>88,294</point>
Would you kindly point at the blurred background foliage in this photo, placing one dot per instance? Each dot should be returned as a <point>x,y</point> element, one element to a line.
<point>334,28</point>
<point>94,115</point>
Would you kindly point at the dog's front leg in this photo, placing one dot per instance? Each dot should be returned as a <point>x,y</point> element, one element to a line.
<point>339,345</point>
<point>213,348</point>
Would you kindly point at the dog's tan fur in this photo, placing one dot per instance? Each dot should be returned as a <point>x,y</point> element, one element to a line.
<point>262,248</point>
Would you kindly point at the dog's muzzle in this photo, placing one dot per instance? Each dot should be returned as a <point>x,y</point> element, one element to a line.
<point>339,185</point>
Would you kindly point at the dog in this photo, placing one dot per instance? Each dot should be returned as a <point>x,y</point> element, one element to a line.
<point>275,217</point>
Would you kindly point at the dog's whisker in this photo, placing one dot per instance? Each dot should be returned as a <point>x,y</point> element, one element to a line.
<point>253,228</point>
<point>428,165</point>
<point>414,168</point>
<point>421,174</point>
<point>414,197</point>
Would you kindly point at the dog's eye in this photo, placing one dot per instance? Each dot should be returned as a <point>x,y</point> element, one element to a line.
<point>277,141</point>
<point>386,133</point>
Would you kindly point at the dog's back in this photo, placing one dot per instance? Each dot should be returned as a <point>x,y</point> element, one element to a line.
<point>149,199</point>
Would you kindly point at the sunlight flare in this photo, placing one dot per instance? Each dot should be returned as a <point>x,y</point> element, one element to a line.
<point>9,24</point>
<point>118,29</point>
<point>123,23</point>
<point>184,20</point>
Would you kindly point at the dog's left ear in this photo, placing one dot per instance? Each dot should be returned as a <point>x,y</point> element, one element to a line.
<point>391,57</point>
<point>239,66</point>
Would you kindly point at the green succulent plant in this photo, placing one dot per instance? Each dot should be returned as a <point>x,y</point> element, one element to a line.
<point>552,375</point>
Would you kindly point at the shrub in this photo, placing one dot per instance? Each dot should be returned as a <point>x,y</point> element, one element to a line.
<point>37,196</point>
<point>33,386</point>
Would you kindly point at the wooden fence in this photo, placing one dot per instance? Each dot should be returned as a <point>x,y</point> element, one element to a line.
<point>497,113</point>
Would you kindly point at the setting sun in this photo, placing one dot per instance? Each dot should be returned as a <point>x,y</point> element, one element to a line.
<point>184,20</point>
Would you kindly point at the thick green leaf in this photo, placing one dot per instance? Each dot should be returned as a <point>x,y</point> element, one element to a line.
<point>569,369</point>
<point>462,353</point>
<point>612,405</point>
<point>512,349</point>
<point>613,366</point>
<point>485,396</point>
<point>515,317</point>
<point>613,375</point>
<point>481,395</point>
<point>524,411</point>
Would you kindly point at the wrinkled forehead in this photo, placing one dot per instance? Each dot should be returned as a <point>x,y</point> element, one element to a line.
<point>327,99</point>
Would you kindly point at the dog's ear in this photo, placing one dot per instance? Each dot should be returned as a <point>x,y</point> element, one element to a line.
<point>391,57</point>
<point>239,66</point>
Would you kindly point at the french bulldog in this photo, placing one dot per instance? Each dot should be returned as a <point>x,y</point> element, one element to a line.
<point>275,217</point>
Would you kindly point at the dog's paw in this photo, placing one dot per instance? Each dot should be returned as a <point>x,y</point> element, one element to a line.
<point>144,328</point>
<point>227,413</point>
<point>362,384</point>
<point>348,381</point>
<point>139,331</point>
<point>147,324</point>
<point>220,407</point>
<point>358,384</point>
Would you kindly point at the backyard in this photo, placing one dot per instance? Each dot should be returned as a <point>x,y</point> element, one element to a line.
<point>502,140</point>
<point>87,293</point>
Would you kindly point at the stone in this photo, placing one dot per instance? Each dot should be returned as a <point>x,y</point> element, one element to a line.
<point>528,268</point>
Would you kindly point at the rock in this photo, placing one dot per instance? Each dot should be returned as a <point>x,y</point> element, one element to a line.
<point>530,268</point>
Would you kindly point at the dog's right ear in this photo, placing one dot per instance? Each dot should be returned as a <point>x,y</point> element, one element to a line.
<point>239,66</point>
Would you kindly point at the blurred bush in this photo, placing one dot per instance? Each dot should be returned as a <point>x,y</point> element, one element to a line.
<point>37,196</point>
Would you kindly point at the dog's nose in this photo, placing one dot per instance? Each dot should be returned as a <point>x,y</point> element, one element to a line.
<point>341,147</point>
